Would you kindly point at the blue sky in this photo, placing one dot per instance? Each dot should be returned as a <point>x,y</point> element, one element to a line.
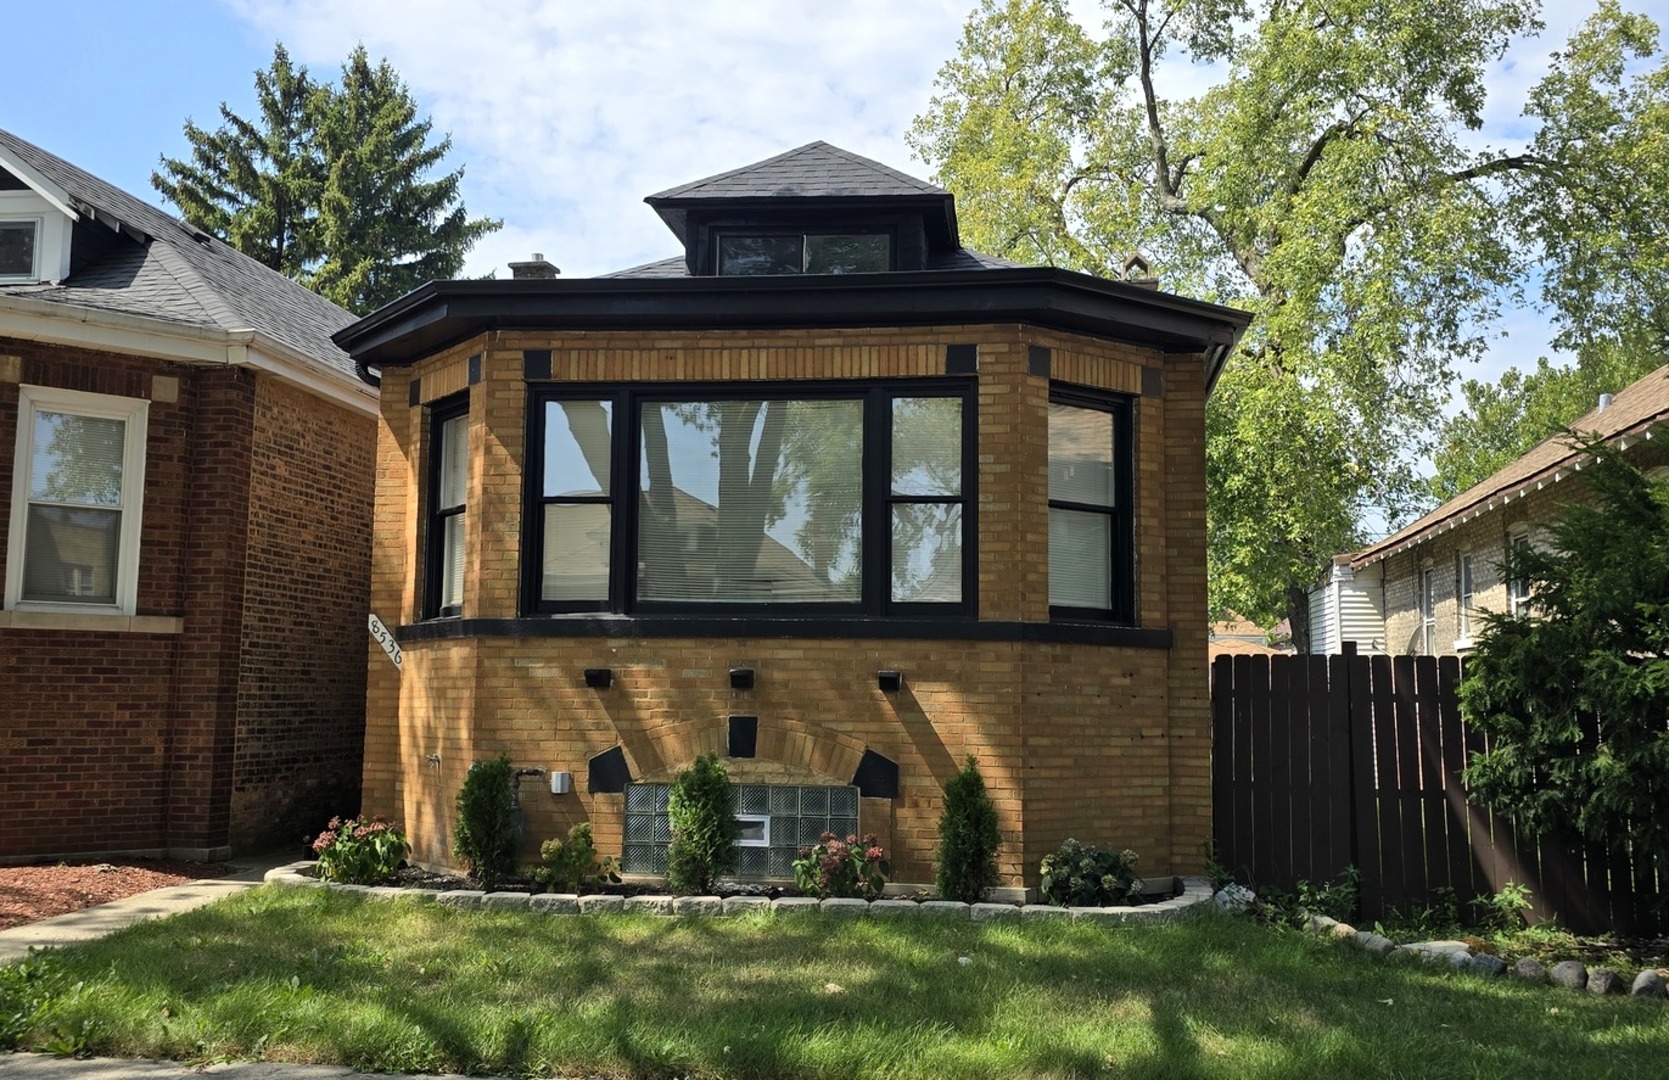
<point>566,114</point>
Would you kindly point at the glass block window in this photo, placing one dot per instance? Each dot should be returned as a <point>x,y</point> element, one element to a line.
<point>778,820</point>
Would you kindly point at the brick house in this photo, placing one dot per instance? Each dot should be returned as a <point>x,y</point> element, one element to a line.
<point>828,494</point>
<point>185,467</point>
<point>1421,590</point>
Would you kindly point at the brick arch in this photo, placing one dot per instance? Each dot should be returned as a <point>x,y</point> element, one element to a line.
<point>793,749</point>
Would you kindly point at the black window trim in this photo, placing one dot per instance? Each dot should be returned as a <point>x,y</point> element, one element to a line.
<point>627,403</point>
<point>1123,569</point>
<point>717,234</point>
<point>434,516</point>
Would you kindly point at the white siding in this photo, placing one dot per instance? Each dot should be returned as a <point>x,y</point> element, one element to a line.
<point>1347,608</point>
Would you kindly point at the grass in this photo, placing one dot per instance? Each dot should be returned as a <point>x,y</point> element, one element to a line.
<point>314,976</point>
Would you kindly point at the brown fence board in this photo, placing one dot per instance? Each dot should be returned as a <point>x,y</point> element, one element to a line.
<point>1300,754</point>
<point>1279,774</point>
<point>1244,848</point>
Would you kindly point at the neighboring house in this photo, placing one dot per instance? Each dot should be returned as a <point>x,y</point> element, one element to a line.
<point>827,494</point>
<point>1235,635</point>
<point>1422,589</point>
<point>185,474</point>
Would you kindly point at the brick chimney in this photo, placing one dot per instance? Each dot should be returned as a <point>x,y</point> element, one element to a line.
<point>534,268</point>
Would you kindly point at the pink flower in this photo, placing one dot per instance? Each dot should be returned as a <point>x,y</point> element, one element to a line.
<point>874,854</point>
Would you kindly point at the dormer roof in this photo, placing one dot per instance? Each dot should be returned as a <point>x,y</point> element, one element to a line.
<point>816,177</point>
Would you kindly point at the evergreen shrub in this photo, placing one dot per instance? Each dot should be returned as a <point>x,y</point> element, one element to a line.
<point>703,827</point>
<point>968,838</point>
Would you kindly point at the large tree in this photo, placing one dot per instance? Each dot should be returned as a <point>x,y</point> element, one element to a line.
<point>1573,696</point>
<point>1329,181</point>
<point>327,185</point>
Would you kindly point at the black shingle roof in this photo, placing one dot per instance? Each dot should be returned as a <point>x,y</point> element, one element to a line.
<point>178,274</point>
<point>813,171</point>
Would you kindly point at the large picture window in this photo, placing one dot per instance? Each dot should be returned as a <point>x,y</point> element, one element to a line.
<point>80,477</point>
<point>849,498</point>
<point>1091,560</point>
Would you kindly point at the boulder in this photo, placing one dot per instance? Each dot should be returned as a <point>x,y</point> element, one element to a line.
<point>1530,970</point>
<point>1648,983</point>
<point>1486,965</point>
<point>1234,898</point>
<point>1604,981</point>
<point>1571,974</point>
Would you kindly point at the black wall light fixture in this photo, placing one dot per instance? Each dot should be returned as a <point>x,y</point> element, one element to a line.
<point>890,682</point>
<point>599,678</point>
<point>741,678</point>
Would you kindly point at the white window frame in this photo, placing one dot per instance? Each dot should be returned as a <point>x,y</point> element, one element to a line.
<point>1518,603</point>
<point>1465,584</point>
<point>1428,611</point>
<point>39,222</point>
<point>135,413</point>
<point>764,820</point>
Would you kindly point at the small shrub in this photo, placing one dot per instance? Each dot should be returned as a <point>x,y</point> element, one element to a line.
<point>1219,875</point>
<point>833,867</point>
<point>360,851</point>
<point>1335,899</point>
<point>703,827</point>
<point>26,989</point>
<point>1504,910</point>
<point>968,838</point>
<point>1082,876</point>
<point>485,838</point>
<point>572,864</point>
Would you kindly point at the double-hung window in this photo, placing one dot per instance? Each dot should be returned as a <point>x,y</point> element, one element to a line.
<point>843,498</point>
<point>1091,556</point>
<point>1463,619</point>
<point>1428,611</point>
<point>1518,586</point>
<point>448,487</point>
<point>73,544</point>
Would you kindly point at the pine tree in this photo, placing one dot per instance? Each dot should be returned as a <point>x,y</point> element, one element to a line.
<point>256,184</point>
<point>327,184</point>
<point>385,230</point>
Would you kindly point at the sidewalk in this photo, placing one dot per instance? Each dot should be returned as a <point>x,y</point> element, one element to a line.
<point>97,921</point>
<point>45,1067</point>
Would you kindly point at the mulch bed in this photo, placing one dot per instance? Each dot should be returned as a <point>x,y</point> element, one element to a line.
<point>31,893</point>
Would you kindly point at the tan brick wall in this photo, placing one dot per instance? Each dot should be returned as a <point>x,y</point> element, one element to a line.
<point>1110,745</point>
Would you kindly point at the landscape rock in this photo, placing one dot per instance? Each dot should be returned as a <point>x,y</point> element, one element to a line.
<point>1234,898</point>
<point>698,905</point>
<point>945,909</point>
<point>1378,945</point>
<point>601,904</point>
<point>1648,984</point>
<point>649,905</point>
<point>1342,932</point>
<point>1604,981</point>
<point>460,898</point>
<point>1530,970</point>
<point>556,903</point>
<point>741,905</point>
<point>1319,924</point>
<point>1571,974</point>
<point>1486,965</point>
<point>1044,911</point>
<point>993,912</point>
<point>845,907</point>
<point>506,901</point>
<point>794,905</point>
<point>895,909</point>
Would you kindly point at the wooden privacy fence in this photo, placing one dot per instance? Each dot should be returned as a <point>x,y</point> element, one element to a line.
<point>1320,763</point>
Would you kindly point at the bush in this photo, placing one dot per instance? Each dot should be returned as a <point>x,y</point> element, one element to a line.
<point>485,838</point>
<point>572,864</point>
<point>359,851</point>
<point>846,868</point>
<point>1082,876</point>
<point>27,988</point>
<point>703,827</point>
<point>968,838</point>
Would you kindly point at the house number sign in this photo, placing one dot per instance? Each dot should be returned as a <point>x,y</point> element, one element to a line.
<point>381,635</point>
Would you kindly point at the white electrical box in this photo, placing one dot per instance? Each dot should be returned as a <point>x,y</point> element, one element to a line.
<point>562,783</point>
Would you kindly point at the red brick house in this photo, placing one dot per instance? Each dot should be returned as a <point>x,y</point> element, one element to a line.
<point>185,494</point>
<point>827,494</point>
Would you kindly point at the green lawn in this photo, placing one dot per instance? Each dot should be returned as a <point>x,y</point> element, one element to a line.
<point>308,975</point>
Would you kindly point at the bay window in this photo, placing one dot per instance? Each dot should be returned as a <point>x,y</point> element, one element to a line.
<point>448,484</point>
<point>1091,559</point>
<point>837,498</point>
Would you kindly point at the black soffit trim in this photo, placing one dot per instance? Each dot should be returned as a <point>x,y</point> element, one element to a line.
<point>444,312</point>
<point>822,628</point>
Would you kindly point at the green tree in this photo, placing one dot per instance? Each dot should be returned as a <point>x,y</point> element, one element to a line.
<point>256,184</point>
<point>1573,695</point>
<point>1504,419</point>
<point>1328,182</point>
<point>487,836</point>
<point>967,859</point>
<point>703,821</point>
<point>327,184</point>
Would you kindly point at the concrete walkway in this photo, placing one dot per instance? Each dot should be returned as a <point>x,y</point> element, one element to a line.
<point>97,921</point>
<point>43,1067</point>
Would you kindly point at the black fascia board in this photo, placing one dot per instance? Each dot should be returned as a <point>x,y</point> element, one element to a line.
<point>938,212</point>
<point>443,313</point>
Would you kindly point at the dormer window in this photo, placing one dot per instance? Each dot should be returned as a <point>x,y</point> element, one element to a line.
<point>19,241</point>
<point>752,253</point>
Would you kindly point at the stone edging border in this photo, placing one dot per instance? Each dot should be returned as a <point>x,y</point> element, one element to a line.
<point>1195,891</point>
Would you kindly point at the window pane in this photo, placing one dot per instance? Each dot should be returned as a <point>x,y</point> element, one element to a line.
<point>927,553</point>
<point>454,462</point>
<point>577,447</point>
<point>751,501</point>
<point>452,561</point>
<point>70,554</point>
<point>927,446</point>
<point>77,459</point>
<point>759,254</point>
<point>870,254</point>
<point>1080,455</point>
<point>1080,559</point>
<point>576,559</point>
<point>17,249</point>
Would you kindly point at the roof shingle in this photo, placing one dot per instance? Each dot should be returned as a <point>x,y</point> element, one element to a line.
<point>815,170</point>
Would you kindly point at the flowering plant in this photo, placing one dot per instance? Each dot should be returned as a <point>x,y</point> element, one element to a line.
<point>360,851</point>
<point>833,867</point>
